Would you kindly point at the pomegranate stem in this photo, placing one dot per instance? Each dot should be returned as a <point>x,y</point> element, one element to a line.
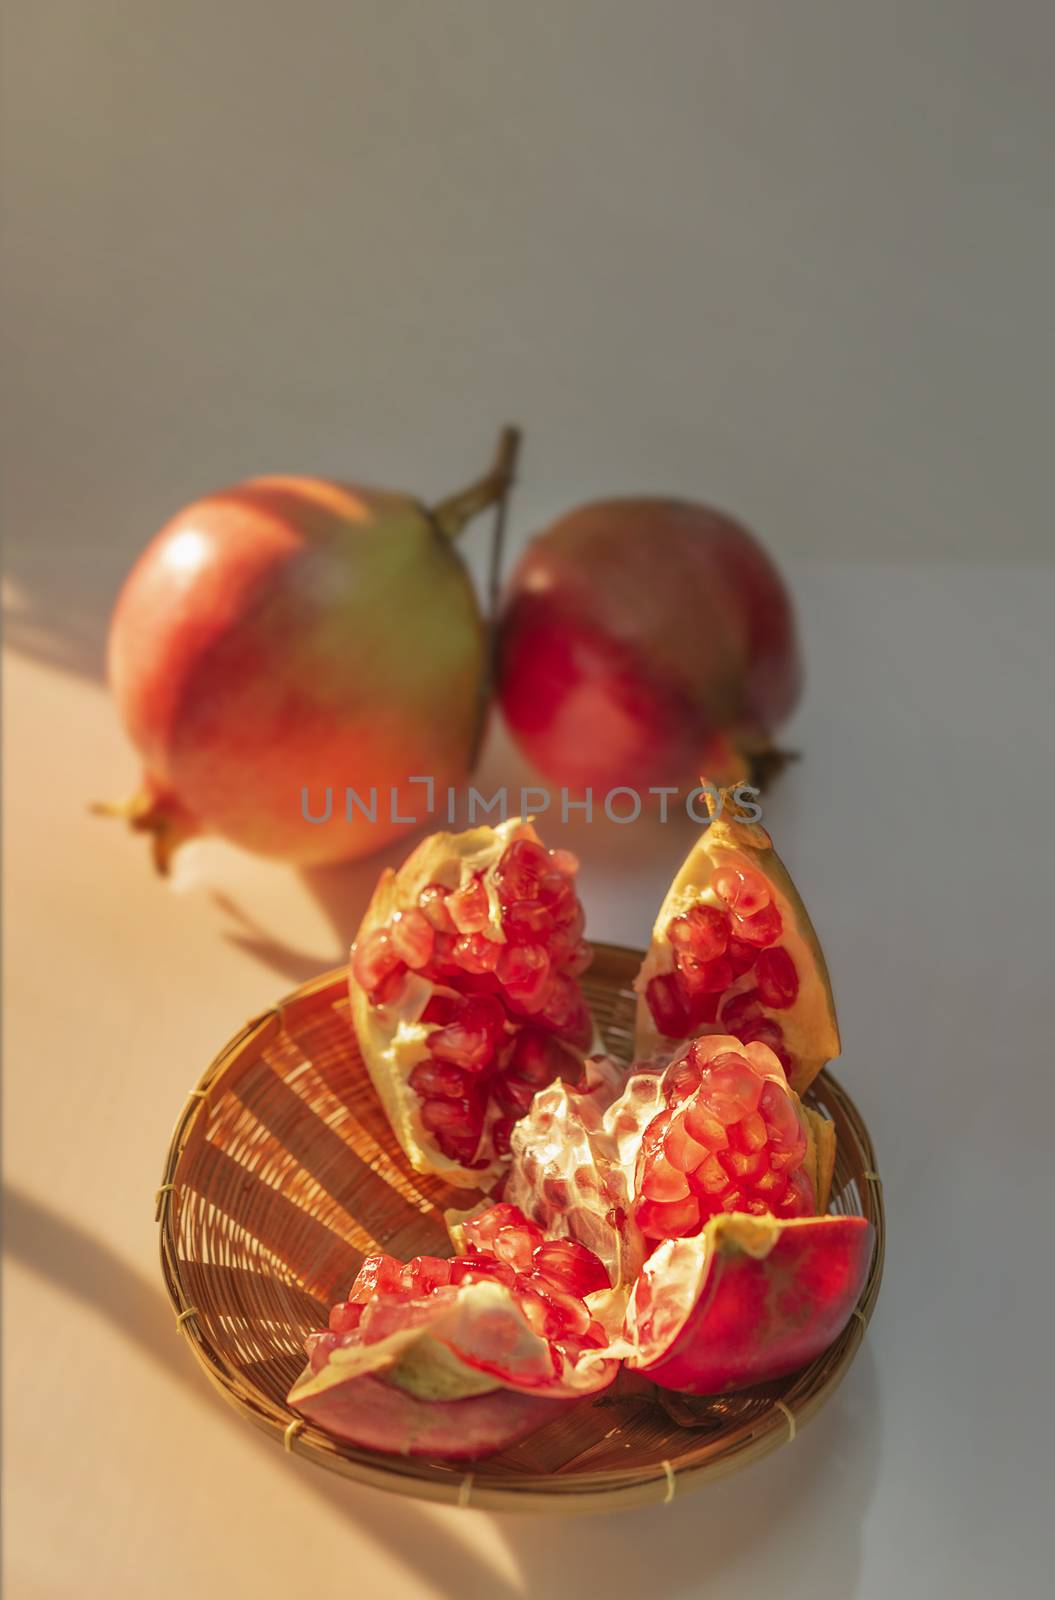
<point>451,515</point>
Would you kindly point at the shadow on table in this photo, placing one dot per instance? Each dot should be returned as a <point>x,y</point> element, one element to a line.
<point>797,1515</point>
<point>58,1250</point>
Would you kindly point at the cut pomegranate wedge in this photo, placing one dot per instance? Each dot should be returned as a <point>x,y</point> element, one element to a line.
<point>733,951</point>
<point>748,1299</point>
<point>455,1358</point>
<point>465,994</point>
<point>732,1137</point>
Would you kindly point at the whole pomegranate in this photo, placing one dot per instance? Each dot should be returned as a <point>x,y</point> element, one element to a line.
<point>288,640</point>
<point>643,641</point>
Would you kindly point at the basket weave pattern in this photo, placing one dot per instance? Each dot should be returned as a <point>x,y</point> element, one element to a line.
<point>283,1173</point>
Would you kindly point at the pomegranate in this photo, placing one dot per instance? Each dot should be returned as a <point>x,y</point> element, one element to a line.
<point>733,951</point>
<point>292,646</point>
<point>457,1358</point>
<point>642,639</point>
<point>748,1299</point>
<point>465,994</point>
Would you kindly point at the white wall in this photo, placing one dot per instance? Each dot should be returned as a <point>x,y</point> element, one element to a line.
<point>795,256</point>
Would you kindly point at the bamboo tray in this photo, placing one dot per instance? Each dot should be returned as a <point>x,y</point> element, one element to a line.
<point>282,1173</point>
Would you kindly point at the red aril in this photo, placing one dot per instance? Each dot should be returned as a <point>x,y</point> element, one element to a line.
<point>733,949</point>
<point>643,639</point>
<point>468,959</point>
<point>289,639</point>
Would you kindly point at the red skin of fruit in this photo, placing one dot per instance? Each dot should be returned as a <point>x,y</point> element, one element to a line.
<point>754,1320</point>
<point>260,646</point>
<point>376,1415</point>
<point>643,640</point>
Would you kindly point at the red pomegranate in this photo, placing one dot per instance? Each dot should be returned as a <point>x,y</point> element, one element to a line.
<point>643,640</point>
<point>291,639</point>
<point>455,1359</point>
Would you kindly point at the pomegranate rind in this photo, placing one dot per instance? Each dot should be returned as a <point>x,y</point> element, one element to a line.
<point>810,1028</point>
<point>377,1415</point>
<point>475,1341</point>
<point>746,1300</point>
<point>392,1037</point>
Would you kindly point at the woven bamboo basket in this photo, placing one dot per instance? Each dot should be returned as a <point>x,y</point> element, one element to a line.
<point>282,1173</point>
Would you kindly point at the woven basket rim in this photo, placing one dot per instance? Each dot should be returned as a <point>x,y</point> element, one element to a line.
<point>602,1489</point>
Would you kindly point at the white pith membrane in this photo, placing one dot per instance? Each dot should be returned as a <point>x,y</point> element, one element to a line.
<point>809,1025</point>
<point>392,1036</point>
<point>566,1131</point>
<point>463,1341</point>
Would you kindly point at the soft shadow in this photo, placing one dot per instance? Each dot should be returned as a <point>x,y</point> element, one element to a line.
<point>61,1252</point>
<point>799,1513</point>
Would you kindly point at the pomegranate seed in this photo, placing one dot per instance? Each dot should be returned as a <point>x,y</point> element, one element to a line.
<point>517,1245</point>
<point>378,1274</point>
<point>523,970</point>
<point>731,1088</point>
<point>318,1347</point>
<point>481,1269</point>
<point>345,1316</point>
<point>673,1221</point>
<point>661,1181</point>
<point>413,937</point>
<point>425,1273</point>
<point>579,960</point>
<point>469,1048</point>
<point>433,903</point>
<point>468,907</point>
<point>437,1080</point>
<point>552,1312</point>
<point>513,1095</point>
<point>565,861</point>
<point>750,1133</point>
<point>682,1079</point>
<point>787,1137</point>
<point>482,1231</point>
<point>703,1126</point>
<point>745,1168</point>
<point>501,1135</point>
<point>683,1151</point>
<point>520,870</point>
<point>570,1266</point>
<point>565,1011</point>
<point>703,977</point>
<point>741,889</point>
<point>740,956</point>
<point>527,922</point>
<point>537,1057</point>
<point>669,1010</point>
<point>390,988</point>
<point>558,895</point>
<point>710,1177</point>
<point>475,953</point>
<point>442,1008</point>
<point>761,929</point>
<point>703,933</point>
<point>778,982</point>
<point>742,1010</point>
<point>374,959</point>
<point>447,1115</point>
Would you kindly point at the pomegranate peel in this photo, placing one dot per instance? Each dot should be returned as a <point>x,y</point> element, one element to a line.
<point>733,951</point>
<point>464,991</point>
<point>746,1300</point>
<point>293,636</point>
<point>436,1336</point>
<point>376,1415</point>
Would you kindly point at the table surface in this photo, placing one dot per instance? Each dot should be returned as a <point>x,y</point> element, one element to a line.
<point>915,825</point>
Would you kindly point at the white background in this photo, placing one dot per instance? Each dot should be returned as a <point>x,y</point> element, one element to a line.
<point>796,259</point>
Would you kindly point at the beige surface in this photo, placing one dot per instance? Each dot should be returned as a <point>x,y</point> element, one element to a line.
<point>125,1474</point>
